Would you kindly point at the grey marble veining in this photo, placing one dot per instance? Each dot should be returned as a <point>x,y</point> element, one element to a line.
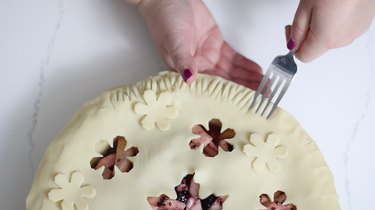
<point>43,67</point>
<point>367,99</point>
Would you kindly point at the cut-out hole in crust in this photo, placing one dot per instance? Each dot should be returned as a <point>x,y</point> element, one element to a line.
<point>187,198</point>
<point>114,156</point>
<point>279,198</point>
<point>212,138</point>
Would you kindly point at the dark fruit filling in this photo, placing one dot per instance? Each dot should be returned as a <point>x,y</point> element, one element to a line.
<point>187,198</point>
<point>162,201</point>
<point>212,138</point>
<point>207,202</point>
<point>182,190</point>
<point>115,156</point>
<point>279,198</point>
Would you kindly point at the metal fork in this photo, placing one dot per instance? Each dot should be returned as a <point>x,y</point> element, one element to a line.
<point>282,69</point>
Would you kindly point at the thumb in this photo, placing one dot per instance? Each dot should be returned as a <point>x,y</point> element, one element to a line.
<point>181,50</point>
<point>300,27</point>
<point>302,40</point>
<point>311,48</point>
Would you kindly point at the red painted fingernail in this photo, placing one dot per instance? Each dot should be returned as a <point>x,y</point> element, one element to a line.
<point>291,44</point>
<point>186,74</point>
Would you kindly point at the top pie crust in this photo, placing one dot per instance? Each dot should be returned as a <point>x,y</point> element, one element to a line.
<point>157,116</point>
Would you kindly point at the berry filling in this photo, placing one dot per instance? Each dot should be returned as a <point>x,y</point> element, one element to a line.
<point>212,138</point>
<point>115,156</point>
<point>279,198</point>
<point>187,198</point>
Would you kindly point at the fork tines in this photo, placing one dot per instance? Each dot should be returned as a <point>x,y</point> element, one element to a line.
<point>274,83</point>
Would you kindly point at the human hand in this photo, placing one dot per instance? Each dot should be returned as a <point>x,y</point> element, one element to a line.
<point>321,25</point>
<point>190,41</point>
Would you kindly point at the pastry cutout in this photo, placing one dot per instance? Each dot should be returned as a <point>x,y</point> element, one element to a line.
<point>156,111</point>
<point>187,198</point>
<point>116,156</point>
<point>265,153</point>
<point>72,194</point>
<point>278,199</point>
<point>212,138</point>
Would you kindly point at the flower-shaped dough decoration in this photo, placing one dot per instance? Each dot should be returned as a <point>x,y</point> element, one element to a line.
<point>265,153</point>
<point>279,198</point>
<point>72,194</point>
<point>212,138</point>
<point>156,110</point>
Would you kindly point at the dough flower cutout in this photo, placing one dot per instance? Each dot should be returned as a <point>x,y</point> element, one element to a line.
<point>71,193</point>
<point>156,110</point>
<point>265,153</point>
<point>279,198</point>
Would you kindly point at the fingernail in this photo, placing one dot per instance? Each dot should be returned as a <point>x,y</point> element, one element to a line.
<point>291,44</point>
<point>186,74</point>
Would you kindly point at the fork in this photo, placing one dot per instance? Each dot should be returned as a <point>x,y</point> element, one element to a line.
<point>282,70</point>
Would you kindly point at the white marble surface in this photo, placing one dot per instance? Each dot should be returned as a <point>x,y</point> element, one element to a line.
<point>57,54</point>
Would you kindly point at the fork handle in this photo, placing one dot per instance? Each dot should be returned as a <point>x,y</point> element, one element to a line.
<point>290,54</point>
<point>287,63</point>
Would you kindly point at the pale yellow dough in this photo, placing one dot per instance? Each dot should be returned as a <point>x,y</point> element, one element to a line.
<point>268,155</point>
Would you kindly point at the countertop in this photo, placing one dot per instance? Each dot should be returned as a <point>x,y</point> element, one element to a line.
<point>57,54</point>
